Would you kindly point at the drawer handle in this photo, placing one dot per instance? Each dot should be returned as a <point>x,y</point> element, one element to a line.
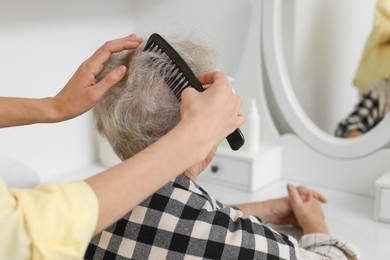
<point>214,169</point>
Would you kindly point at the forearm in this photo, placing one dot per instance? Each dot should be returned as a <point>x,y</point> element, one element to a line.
<point>249,209</point>
<point>265,210</point>
<point>141,175</point>
<point>24,111</point>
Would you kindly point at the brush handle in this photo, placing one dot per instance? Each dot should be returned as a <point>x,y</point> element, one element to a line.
<point>236,140</point>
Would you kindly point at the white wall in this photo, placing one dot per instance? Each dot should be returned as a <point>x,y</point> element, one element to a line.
<point>224,23</point>
<point>42,44</point>
<point>328,41</point>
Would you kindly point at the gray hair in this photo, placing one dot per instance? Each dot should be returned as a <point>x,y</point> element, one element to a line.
<point>141,108</point>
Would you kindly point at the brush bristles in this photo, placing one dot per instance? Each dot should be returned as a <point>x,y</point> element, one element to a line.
<point>177,82</point>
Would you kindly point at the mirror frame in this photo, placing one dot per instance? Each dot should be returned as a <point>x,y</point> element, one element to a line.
<point>301,124</point>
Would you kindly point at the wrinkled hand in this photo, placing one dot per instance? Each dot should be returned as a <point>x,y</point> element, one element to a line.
<point>307,211</point>
<point>82,91</point>
<point>277,212</point>
<point>306,193</point>
<point>214,112</point>
<point>280,211</point>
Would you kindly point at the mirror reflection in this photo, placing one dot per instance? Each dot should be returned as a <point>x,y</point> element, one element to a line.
<point>338,56</point>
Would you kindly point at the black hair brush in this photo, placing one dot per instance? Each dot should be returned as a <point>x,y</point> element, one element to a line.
<point>183,77</point>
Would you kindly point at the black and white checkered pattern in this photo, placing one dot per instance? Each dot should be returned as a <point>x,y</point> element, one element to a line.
<point>181,221</point>
<point>364,117</point>
<point>371,109</point>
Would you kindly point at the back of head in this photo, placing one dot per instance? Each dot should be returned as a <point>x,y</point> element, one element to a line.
<point>141,108</point>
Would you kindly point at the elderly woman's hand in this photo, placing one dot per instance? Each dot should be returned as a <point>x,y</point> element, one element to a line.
<point>82,91</point>
<point>280,211</point>
<point>307,211</point>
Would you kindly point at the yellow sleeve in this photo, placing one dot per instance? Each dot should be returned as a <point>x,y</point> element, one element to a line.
<point>52,221</point>
<point>375,62</point>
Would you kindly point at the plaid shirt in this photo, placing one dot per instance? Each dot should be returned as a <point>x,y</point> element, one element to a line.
<point>369,112</point>
<point>181,221</point>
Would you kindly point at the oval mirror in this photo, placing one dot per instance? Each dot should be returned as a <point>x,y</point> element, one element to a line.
<point>300,89</point>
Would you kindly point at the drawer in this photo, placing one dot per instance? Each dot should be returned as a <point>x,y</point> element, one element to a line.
<point>384,204</point>
<point>244,170</point>
<point>228,170</point>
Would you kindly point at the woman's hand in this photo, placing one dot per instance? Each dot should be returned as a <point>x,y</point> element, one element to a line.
<point>79,95</point>
<point>276,212</point>
<point>307,211</point>
<point>213,113</point>
<point>280,211</point>
<point>305,193</point>
<point>82,91</point>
